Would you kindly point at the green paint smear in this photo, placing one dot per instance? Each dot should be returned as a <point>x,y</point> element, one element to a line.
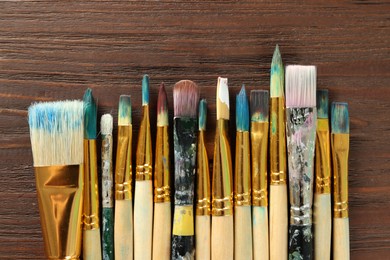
<point>258,117</point>
<point>108,233</point>
<point>274,120</point>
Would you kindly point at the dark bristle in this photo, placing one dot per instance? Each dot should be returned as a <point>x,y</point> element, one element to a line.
<point>340,118</point>
<point>185,99</point>
<point>259,102</point>
<point>162,107</point>
<point>90,115</point>
<point>202,114</point>
<point>322,103</point>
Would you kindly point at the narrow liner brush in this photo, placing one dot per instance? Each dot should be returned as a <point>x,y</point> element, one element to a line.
<point>143,197</point>
<point>340,151</point>
<point>242,182</point>
<point>185,100</point>
<point>222,181</point>
<point>56,133</point>
<point>322,198</point>
<point>301,114</point>
<point>162,191</point>
<point>259,104</point>
<point>123,226</point>
<point>203,212</point>
<point>91,233</point>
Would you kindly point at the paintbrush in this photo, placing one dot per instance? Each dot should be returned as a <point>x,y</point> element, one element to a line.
<point>91,226</point>
<point>123,226</point>
<point>242,182</point>
<point>278,187</point>
<point>162,191</point>
<point>185,100</point>
<point>106,125</point>
<point>259,104</point>
<point>56,133</point>
<point>222,181</point>
<point>322,198</point>
<point>143,197</point>
<point>301,114</point>
<point>203,194</point>
<point>340,151</point>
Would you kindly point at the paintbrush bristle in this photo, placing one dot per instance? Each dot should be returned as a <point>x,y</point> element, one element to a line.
<point>301,84</point>
<point>124,110</point>
<point>259,102</point>
<point>162,107</point>
<point>90,115</point>
<point>185,98</point>
<point>106,124</point>
<point>56,132</point>
<point>277,74</point>
<point>242,111</point>
<point>145,90</point>
<point>202,114</point>
<point>322,103</point>
<point>223,99</point>
<point>340,118</point>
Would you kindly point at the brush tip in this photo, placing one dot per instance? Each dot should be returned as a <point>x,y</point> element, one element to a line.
<point>223,104</point>
<point>90,115</point>
<point>277,74</point>
<point>162,107</point>
<point>145,90</point>
<point>242,110</point>
<point>106,124</point>
<point>301,85</point>
<point>124,110</point>
<point>322,103</point>
<point>185,98</point>
<point>340,118</point>
<point>259,102</point>
<point>202,114</point>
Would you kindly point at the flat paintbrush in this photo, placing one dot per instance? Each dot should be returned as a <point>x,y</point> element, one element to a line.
<point>185,100</point>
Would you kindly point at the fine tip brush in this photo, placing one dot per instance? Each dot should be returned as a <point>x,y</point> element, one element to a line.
<point>185,100</point>
<point>322,198</point>
<point>162,190</point>
<point>91,233</point>
<point>222,240</point>
<point>259,108</point>
<point>301,114</point>
<point>242,182</point>
<point>340,152</point>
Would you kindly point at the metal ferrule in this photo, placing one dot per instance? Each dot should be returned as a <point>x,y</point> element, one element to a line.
<point>203,179</point>
<point>162,190</point>
<point>222,195</point>
<point>91,196</point>
<point>242,173</point>
<point>60,198</point>
<point>278,168</point>
<point>123,171</point>
<point>301,136</point>
<point>322,157</point>
<point>259,142</point>
<point>144,169</point>
<point>107,180</point>
<point>340,151</point>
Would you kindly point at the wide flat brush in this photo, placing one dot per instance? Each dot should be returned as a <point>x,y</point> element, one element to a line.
<point>340,152</point>
<point>301,114</point>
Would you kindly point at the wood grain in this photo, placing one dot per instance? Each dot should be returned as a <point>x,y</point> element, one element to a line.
<point>53,50</point>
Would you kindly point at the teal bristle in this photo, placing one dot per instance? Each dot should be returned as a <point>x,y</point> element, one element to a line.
<point>242,111</point>
<point>277,74</point>
<point>202,114</point>
<point>259,104</point>
<point>322,103</point>
<point>145,90</point>
<point>124,110</point>
<point>340,118</point>
<point>90,115</point>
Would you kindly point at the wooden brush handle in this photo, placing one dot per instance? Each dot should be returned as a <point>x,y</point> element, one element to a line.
<point>108,233</point>
<point>143,220</point>
<point>203,237</point>
<point>91,244</point>
<point>162,231</point>
<point>242,233</point>
<point>222,238</point>
<point>260,233</point>
<point>322,226</point>
<point>300,244</point>
<point>123,230</point>
<point>341,239</point>
<point>278,222</point>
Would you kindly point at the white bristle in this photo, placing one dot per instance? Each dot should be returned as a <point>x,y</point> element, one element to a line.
<point>223,99</point>
<point>301,85</point>
<point>56,133</point>
<point>106,124</point>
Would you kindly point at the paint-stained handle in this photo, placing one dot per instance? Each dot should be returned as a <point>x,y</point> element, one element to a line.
<point>123,230</point>
<point>162,231</point>
<point>108,233</point>
<point>242,233</point>
<point>322,226</point>
<point>341,239</point>
<point>260,233</point>
<point>222,238</point>
<point>278,222</point>
<point>183,240</point>
<point>91,244</point>
<point>300,244</point>
<point>203,237</point>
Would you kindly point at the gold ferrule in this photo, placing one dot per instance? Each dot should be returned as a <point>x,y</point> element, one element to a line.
<point>322,157</point>
<point>242,173</point>
<point>60,199</point>
<point>259,142</point>
<point>123,171</point>
<point>91,196</point>
<point>222,195</point>
<point>162,190</point>
<point>203,179</point>
<point>143,171</point>
<point>278,167</point>
<point>340,151</point>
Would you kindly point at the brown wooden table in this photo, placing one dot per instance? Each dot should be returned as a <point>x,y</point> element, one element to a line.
<point>52,50</point>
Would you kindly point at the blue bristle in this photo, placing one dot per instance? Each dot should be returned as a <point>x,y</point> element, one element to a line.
<point>145,90</point>
<point>322,103</point>
<point>90,115</point>
<point>202,114</point>
<point>242,111</point>
<point>340,118</point>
